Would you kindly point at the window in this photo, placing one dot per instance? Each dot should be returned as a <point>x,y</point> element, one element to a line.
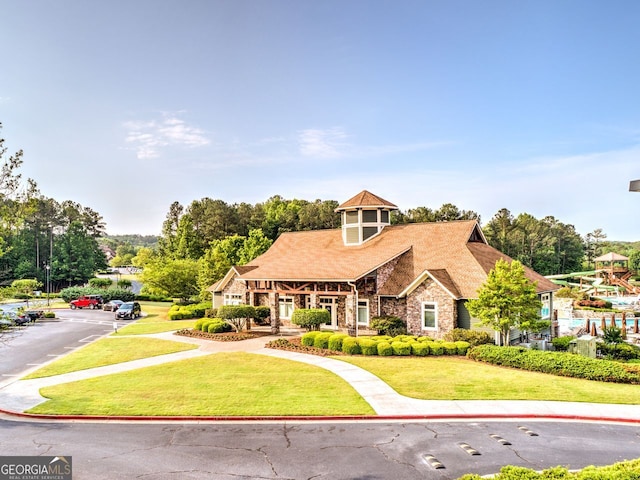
<point>545,312</point>
<point>232,299</point>
<point>384,216</point>
<point>285,307</point>
<point>369,216</point>
<point>353,235</point>
<point>368,232</point>
<point>363,312</point>
<point>429,316</point>
<point>351,217</point>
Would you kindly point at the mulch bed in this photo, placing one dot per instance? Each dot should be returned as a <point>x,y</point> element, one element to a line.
<point>222,337</point>
<point>292,344</point>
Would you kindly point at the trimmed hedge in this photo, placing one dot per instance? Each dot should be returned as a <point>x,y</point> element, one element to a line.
<point>557,363</point>
<point>368,346</point>
<point>310,318</point>
<point>626,470</point>
<point>383,345</point>
<point>350,346</point>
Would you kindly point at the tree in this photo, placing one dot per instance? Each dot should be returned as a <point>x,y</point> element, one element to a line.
<point>236,315</point>
<point>254,246</point>
<point>171,278</point>
<point>507,300</point>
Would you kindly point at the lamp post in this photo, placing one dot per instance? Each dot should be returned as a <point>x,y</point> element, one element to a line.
<point>634,186</point>
<point>47,279</point>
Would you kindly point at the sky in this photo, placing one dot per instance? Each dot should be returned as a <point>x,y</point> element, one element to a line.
<point>126,106</point>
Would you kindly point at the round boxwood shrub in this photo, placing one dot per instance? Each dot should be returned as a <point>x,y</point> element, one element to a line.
<point>450,348</point>
<point>310,318</point>
<point>262,313</point>
<point>462,347</point>
<point>384,349</point>
<point>49,315</point>
<point>308,338</point>
<point>198,324</point>
<point>368,346</point>
<point>217,325</point>
<point>425,339</point>
<point>388,324</point>
<point>350,346</point>
<point>401,348</point>
<point>404,338</point>
<point>420,349</point>
<point>435,348</point>
<point>322,340</point>
<point>335,341</point>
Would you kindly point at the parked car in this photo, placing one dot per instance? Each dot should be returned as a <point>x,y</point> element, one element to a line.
<point>16,318</point>
<point>90,301</point>
<point>34,314</point>
<point>129,310</point>
<point>112,305</point>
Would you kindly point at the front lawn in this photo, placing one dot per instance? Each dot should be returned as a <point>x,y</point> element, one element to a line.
<point>108,351</point>
<point>457,378</point>
<point>223,384</point>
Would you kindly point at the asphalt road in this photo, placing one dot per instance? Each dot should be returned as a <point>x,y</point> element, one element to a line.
<point>28,347</point>
<point>285,450</point>
<point>354,450</point>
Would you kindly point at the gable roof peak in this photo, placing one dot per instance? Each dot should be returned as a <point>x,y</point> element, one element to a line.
<point>366,199</point>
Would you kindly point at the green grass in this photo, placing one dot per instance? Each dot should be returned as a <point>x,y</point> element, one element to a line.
<point>456,378</point>
<point>225,384</point>
<point>108,351</point>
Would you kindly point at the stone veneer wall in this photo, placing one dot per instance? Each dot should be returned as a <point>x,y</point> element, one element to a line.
<point>430,291</point>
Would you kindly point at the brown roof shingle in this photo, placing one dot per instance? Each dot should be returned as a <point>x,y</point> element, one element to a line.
<point>366,199</point>
<point>442,248</point>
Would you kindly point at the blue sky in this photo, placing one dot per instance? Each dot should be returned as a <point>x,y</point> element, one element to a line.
<point>127,106</point>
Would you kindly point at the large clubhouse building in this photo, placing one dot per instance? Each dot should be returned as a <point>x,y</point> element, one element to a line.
<point>423,273</point>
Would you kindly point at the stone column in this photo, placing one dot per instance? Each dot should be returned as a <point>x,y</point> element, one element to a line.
<point>314,302</point>
<point>275,312</point>
<point>350,313</point>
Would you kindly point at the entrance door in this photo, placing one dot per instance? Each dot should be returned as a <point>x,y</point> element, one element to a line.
<point>329,303</point>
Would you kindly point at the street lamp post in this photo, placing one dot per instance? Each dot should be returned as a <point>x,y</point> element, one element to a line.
<point>48,280</point>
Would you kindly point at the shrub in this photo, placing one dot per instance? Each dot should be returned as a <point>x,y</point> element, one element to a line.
<point>474,337</point>
<point>450,348</point>
<point>350,346</point>
<point>322,340</point>
<point>435,348</point>
<point>556,363</point>
<point>561,344</point>
<point>217,325</point>
<point>237,315</point>
<point>211,312</point>
<point>310,318</point>
<point>335,341</point>
<point>49,315</point>
<point>401,348</point>
<point>384,349</point>
<point>404,338</point>
<point>308,338</point>
<point>198,324</point>
<point>368,346</point>
<point>425,339</point>
<point>388,325</point>
<point>420,349</point>
<point>620,351</point>
<point>100,282</point>
<point>462,347</point>
<point>262,313</point>
<point>381,338</point>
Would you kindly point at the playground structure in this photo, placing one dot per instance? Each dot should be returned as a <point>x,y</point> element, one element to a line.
<point>610,276</point>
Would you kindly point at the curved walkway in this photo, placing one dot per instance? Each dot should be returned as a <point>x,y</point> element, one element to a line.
<point>22,395</point>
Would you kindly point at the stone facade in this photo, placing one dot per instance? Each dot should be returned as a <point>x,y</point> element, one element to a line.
<point>430,291</point>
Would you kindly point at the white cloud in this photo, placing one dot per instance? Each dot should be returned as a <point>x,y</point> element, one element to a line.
<point>328,143</point>
<point>150,137</point>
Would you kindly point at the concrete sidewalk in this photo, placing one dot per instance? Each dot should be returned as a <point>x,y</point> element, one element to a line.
<point>22,395</point>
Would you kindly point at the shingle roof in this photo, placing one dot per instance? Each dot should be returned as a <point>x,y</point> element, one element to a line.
<point>442,248</point>
<point>610,257</point>
<point>366,199</point>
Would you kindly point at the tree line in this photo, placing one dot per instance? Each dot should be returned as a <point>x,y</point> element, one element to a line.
<point>55,243</point>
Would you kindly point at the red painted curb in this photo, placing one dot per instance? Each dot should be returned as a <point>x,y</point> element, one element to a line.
<point>322,418</point>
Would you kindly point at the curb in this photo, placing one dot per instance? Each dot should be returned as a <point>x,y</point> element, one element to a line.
<point>320,418</point>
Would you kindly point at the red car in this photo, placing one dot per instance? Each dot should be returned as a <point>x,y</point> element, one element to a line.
<point>86,301</point>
